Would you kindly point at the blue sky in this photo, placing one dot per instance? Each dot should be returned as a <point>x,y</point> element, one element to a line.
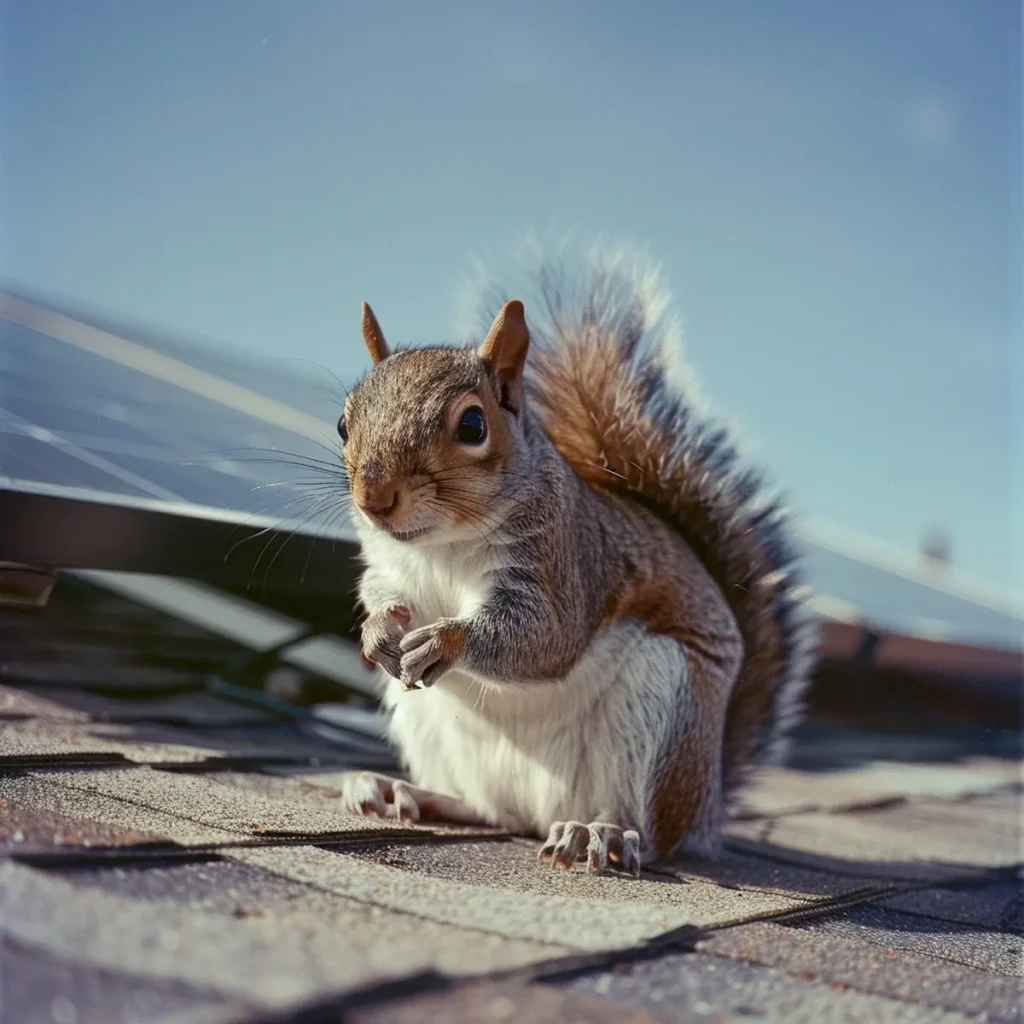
<point>834,190</point>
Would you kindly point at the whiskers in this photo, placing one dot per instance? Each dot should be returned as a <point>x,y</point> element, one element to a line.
<point>456,492</point>
<point>481,694</point>
<point>468,508</point>
<point>315,490</point>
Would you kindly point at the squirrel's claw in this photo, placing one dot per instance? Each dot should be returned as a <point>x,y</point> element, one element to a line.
<point>607,848</point>
<point>570,844</point>
<point>431,651</point>
<point>421,657</point>
<point>367,794</point>
<point>381,635</point>
<point>380,796</point>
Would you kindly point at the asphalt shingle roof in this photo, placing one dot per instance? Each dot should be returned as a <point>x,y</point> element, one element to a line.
<point>156,884</point>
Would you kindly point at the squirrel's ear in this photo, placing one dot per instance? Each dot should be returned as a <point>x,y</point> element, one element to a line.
<point>505,348</point>
<point>374,336</point>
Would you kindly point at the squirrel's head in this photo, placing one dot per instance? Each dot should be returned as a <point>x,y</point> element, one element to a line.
<point>427,433</point>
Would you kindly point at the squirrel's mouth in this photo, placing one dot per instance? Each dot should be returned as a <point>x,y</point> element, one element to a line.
<point>407,535</point>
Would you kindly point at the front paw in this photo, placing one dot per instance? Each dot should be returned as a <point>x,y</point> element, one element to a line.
<point>431,651</point>
<point>382,634</point>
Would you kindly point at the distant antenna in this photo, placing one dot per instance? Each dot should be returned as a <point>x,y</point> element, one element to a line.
<point>936,549</point>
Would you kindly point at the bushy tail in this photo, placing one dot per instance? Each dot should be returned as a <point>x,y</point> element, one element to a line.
<point>610,389</point>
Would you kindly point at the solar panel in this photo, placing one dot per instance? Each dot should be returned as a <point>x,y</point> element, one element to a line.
<point>79,408</point>
<point>72,418</point>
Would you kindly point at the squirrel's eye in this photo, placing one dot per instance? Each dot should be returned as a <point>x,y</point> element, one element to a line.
<point>342,429</point>
<point>472,428</point>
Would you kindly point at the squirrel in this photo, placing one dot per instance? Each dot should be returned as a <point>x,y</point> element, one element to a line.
<point>585,611</point>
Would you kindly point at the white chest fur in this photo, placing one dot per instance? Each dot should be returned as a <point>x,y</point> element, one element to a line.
<point>524,755</point>
<point>434,582</point>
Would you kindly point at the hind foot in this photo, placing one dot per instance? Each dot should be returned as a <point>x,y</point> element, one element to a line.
<point>606,847</point>
<point>379,796</point>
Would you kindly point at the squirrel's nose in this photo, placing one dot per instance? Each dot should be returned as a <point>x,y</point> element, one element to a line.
<point>378,497</point>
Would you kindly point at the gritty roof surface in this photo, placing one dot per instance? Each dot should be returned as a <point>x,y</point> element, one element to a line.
<point>142,881</point>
